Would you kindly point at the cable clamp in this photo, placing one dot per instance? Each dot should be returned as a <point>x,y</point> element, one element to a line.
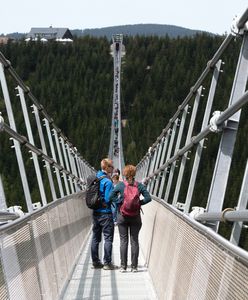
<point>1,122</point>
<point>196,211</point>
<point>213,125</point>
<point>223,213</point>
<point>234,28</point>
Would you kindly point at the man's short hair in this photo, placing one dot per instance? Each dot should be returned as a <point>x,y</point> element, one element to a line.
<point>105,163</point>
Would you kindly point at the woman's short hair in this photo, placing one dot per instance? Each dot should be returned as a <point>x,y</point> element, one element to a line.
<point>117,171</point>
<point>115,177</point>
<point>105,163</point>
<point>129,171</point>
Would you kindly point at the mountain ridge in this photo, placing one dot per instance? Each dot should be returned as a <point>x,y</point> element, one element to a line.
<point>146,29</point>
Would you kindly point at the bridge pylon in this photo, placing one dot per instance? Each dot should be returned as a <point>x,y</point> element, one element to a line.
<point>117,50</point>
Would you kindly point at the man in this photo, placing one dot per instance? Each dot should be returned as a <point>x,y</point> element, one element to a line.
<point>103,220</point>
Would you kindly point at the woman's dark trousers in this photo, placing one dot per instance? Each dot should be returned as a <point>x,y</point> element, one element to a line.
<point>129,226</point>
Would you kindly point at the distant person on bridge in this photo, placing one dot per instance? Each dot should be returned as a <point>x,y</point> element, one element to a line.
<point>114,205</point>
<point>103,220</point>
<point>128,218</point>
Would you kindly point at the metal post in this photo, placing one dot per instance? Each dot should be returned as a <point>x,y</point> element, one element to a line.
<point>165,142</point>
<point>16,143</point>
<point>242,204</point>
<point>71,158</point>
<point>44,150</point>
<point>61,160</point>
<point>31,140</point>
<point>224,157</point>
<point>201,143</point>
<point>188,138</point>
<point>158,163</point>
<point>158,154</point>
<point>115,146</point>
<point>54,157</point>
<point>173,165</point>
<point>67,163</point>
<point>3,204</point>
<point>83,169</point>
<point>172,138</point>
<point>151,168</point>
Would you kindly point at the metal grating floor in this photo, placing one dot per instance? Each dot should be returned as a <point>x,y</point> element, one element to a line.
<point>87,283</point>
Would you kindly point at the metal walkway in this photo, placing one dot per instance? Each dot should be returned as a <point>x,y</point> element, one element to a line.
<point>88,283</point>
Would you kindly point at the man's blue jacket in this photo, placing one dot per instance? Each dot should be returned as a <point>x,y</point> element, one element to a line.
<point>106,187</point>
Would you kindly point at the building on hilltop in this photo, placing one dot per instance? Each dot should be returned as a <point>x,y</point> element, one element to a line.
<point>4,39</point>
<point>49,33</point>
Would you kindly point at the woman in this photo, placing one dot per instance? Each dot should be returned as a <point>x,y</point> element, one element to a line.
<point>129,219</point>
<point>114,206</point>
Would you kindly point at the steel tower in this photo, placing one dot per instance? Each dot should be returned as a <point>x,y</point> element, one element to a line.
<point>117,50</point>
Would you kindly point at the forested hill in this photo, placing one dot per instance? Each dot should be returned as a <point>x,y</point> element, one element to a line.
<point>74,82</point>
<point>127,30</point>
<point>138,29</point>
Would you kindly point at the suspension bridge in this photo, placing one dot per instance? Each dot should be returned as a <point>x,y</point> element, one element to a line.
<point>45,252</point>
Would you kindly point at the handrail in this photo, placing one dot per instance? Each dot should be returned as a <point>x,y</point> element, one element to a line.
<point>237,252</point>
<point>193,89</point>
<point>227,113</point>
<point>211,63</point>
<point>24,141</point>
<point>39,106</point>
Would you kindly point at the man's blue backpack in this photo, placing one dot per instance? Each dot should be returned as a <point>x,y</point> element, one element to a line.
<point>93,196</point>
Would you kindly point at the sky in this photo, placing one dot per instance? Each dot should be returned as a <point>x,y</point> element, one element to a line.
<point>209,15</point>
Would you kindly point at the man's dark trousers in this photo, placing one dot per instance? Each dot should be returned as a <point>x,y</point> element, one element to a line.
<point>102,223</point>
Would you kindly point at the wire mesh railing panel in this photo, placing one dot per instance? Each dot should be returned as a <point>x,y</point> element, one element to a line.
<point>45,257</point>
<point>39,251</point>
<point>187,260</point>
<point>58,242</point>
<point>20,263</point>
<point>3,287</point>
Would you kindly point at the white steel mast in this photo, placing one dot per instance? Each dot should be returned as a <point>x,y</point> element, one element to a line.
<point>117,50</point>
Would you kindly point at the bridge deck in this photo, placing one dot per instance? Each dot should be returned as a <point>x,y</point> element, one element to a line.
<point>88,283</point>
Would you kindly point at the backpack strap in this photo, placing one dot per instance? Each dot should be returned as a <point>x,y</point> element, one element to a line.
<point>103,200</point>
<point>100,178</point>
<point>135,183</point>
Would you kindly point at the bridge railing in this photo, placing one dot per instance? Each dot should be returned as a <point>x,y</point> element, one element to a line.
<point>196,154</point>
<point>177,247</point>
<point>35,136</point>
<point>39,251</point>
